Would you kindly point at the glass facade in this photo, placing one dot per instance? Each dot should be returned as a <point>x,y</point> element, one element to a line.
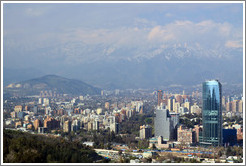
<point>212,113</point>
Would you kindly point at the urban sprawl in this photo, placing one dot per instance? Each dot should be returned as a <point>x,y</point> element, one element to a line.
<point>138,126</point>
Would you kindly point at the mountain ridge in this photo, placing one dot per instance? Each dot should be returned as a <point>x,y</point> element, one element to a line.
<point>52,82</point>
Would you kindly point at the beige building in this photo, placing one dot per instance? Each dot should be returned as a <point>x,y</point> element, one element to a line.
<point>18,108</point>
<point>159,143</point>
<point>240,106</point>
<point>195,109</point>
<point>36,124</point>
<point>107,105</point>
<point>90,125</point>
<point>234,106</point>
<point>187,105</point>
<point>229,107</point>
<point>145,132</point>
<point>176,107</point>
<point>185,135</point>
<point>67,126</point>
<point>170,105</point>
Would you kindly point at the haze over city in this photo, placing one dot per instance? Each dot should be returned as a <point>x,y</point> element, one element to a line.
<point>123,82</point>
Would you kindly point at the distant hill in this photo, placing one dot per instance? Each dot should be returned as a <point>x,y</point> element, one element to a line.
<point>51,82</point>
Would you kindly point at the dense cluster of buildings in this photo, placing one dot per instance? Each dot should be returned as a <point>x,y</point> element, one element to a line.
<point>182,104</point>
<point>48,115</point>
<point>168,131</point>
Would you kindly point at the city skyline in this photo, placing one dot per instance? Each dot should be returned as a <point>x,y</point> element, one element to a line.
<point>123,82</point>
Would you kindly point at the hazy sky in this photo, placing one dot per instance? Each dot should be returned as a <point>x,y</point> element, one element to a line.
<point>38,34</point>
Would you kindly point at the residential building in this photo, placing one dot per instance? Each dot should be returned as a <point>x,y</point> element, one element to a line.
<point>159,95</point>
<point>145,132</point>
<point>185,135</point>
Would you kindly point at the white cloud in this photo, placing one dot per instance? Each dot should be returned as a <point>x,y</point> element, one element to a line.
<point>141,41</point>
<point>35,11</point>
<point>234,44</point>
<point>168,15</point>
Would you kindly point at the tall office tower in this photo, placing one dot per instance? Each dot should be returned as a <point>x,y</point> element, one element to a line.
<point>162,124</point>
<point>212,113</point>
<point>159,97</point>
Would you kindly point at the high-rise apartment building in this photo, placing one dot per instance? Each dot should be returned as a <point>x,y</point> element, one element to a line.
<point>235,106</point>
<point>159,94</point>
<point>212,113</point>
<point>229,107</point>
<point>145,132</point>
<point>240,106</point>
<point>37,123</point>
<point>67,126</point>
<point>170,105</point>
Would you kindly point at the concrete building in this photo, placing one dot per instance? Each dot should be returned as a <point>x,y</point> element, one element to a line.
<point>51,123</point>
<point>235,105</point>
<point>67,126</point>
<point>107,105</point>
<point>170,104</point>
<point>42,130</point>
<point>145,132</point>
<point>185,135</point>
<point>96,124</point>
<point>174,122</point>
<point>46,101</point>
<point>195,109</point>
<point>90,125</point>
<point>176,107</point>
<point>18,108</point>
<point>159,97</point>
<point>159,143</point>
<point>162,124</point>
<point>240,106</point>
<point>187,105</point>
<point>75,126</point>
<point>36,124</point>
<point>229,107</point>
<point>114,127</point>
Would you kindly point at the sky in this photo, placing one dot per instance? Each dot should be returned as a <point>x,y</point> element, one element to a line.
<point>36,35</point>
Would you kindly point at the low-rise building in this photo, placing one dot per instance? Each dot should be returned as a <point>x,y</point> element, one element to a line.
<point>185,135</point>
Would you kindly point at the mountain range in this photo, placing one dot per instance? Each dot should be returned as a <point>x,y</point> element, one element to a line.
<point>112,67</point>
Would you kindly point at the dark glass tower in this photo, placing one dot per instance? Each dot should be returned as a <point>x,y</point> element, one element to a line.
<point>212,113</point>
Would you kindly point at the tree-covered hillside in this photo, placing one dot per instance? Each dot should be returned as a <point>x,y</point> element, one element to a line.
<point>19,147</point>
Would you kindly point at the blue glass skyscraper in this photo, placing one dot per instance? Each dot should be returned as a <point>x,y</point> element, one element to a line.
<point>212,113</point>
